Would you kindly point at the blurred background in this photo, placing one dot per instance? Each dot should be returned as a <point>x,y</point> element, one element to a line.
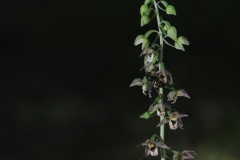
<point>66,67</point>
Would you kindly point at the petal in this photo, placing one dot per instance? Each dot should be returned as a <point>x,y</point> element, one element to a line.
<point>145,60</point>
<point>180,124</point>
<point>164,121</point>
<point>182,115</point>
<point>187,154</point>
<point>168,106</point>
<point>136,82</point>
<point>183,93</point>
<point>147,50</point>
<point>173,126</point>
<point>160,113</point>
<point>150,67</point>
<point>144,143</point>
<point>150,58</point>
<point>144,88</point>
<point>171,95</point>
<point>161,109</point>
<point>147,151</point>
<point>155,152</point>
<point>152,108</point>
<point>175,157</point>
<point>188,151</point>
<point>161,106</point>
<point>162,145</point>
<point>169,77</point>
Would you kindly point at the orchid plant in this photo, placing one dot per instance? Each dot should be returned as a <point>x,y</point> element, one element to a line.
<point>158,78</point>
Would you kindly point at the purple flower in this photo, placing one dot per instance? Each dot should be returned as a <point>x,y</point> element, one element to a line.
<point>174,120</point>
<point>151,147</point>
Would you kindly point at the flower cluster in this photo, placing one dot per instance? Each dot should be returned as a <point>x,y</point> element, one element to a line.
<point>158,78</point>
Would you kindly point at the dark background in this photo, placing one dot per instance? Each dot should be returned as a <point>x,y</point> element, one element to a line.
<point>66,67</point>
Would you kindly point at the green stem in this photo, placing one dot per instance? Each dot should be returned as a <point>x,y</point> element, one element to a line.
<point>161,66</point>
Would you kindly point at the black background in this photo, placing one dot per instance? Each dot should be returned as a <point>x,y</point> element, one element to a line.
<point>66,67</point>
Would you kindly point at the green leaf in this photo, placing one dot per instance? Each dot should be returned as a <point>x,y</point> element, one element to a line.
<point>147,1</point>
<point>164,3</point>
<point>144,20</point>
<point>179,46</point>
<point>145,115</point>
<point>144,79</point>
<point>144,10</point>
<point>183,40</point>
<point>140,39</point>
<point>169,112</point>
<point>170,10</point>
<point>166,25</point>
<point>172,32</point>
<point>149,33</point>
<point>153,137</point>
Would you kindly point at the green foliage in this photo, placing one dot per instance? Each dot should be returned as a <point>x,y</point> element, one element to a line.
<point>144,10</point>
<point>170,10</point>
<point>142,40</point>
<point>158,78</point>
<point>172,32</point>
<point>145,115</point>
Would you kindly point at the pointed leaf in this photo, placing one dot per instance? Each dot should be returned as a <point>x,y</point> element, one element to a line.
<point>153,137</point>
<point>145,115</point>
<point>144,20</point>
<point>183,40</point>
<point>170,10</point>
<point>144,79</point>
<point>169,112</point>
<point>144,9</point>
<point>179,46</point>
<point>172,32</point>
<point>164,3</point>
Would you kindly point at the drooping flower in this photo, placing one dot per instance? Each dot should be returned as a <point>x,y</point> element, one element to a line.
<point>145,86</point>
<point>159,78</point>
<point>160,108</point>
<point>151,147</point>
<point>187,154</point>
<point>173,95</point>
<point>174,120</point>
<point>150,58</point>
